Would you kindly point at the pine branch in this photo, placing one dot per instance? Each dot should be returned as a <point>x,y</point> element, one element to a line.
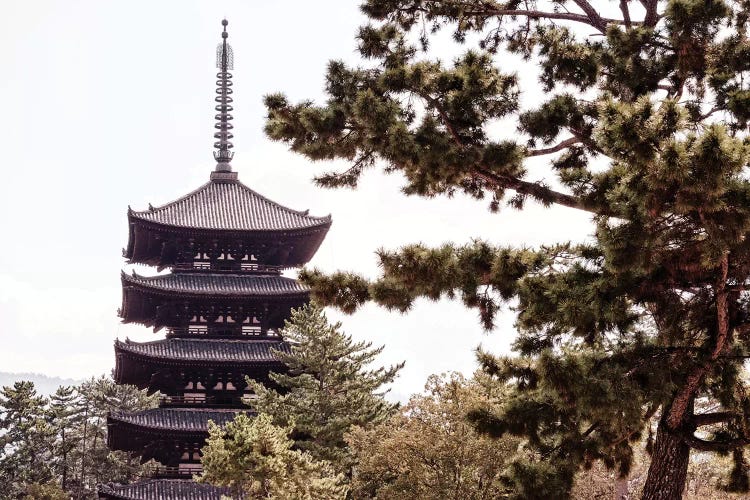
<point>500,182</point>
<point>712,418</point>
<point>598,22</point>
<point>716,446</point>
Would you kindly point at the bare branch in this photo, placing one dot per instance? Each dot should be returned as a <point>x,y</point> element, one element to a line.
<point>709,113</point>
<point>651,17</point>
<point>703,445</point>
<point>625,13</point>
<point>713,418</point>
<point>355,168</point>
<point>600,24</point>
<point>593,15</point>
<point>554,149</point>
<point>536,190</point>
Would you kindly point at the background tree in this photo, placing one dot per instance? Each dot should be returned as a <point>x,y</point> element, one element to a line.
<point>429,450</point>
<point>48,491</point>
<point>92,460</point>
<point>25,440</point>
<point>642,121</point>
<point>58,446</point>
<point>64,415</point>
<point>329,386</point>
<point>255,459</point>
<point>706,477</point>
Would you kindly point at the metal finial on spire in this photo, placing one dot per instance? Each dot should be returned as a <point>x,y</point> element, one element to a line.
<point>225,62</point>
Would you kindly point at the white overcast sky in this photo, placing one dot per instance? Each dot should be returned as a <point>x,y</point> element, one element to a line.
<point>110,104</point>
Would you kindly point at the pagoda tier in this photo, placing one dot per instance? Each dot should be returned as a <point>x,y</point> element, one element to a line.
<point>171,436</point>
<point>162,489</point>
<point>224,225</point>
<point>209,303</point>
<point>197,371</point>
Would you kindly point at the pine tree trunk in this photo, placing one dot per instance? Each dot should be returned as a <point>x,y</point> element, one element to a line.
<point>669,463</point>
<point>64,481</point>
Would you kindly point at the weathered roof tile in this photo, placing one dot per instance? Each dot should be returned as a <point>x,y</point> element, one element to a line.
<point>219,284</point>
<point>229,206</point>
<point>175,419</point>
<point>162,489</point>
<point>215,350</point>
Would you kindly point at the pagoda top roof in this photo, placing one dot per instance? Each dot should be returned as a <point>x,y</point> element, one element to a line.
<point>202,283</point>
<point>230,206</point>
<point>213,350</point>
<point>159,489</point>
<point>175,419</point>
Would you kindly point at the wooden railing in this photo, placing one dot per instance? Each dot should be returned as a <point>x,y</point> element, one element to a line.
<point>228,266</point>
<point>184,472</point>
<point>210,401</point>
<point>237,331</point>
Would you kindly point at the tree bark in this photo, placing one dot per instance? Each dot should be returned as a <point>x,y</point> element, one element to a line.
<point>667,473</point>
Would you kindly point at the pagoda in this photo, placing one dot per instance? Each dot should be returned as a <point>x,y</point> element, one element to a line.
<point>221,305</point>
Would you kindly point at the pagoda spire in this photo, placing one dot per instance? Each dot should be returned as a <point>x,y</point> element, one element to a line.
<point>224,62</point>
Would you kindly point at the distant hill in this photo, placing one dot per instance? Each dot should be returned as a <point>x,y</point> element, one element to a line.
<point>44,384</point>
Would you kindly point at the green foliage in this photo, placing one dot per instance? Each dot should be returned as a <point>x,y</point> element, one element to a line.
<point>429,450</point>
<point>56,447</point>
<point>64,412</point>
<point>645,127</point>
<point>48,491</point>
<point>328,389</point>
<point>256,460</point>
<point>94,461</point>
<point>24,443</point>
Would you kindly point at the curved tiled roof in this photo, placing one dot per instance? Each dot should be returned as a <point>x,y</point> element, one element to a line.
<point>163,489</point>
<point>175,419</point>
<point>219,284</point>
<point>215,350</point>
<point>229,206</point>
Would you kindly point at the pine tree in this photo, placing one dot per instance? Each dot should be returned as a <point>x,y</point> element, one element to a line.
<point>644,126</point>
<point>64,416</point>
<point>57,447</point>
<point>328,388</point>
<point>92,462</point>
<point>25,440</point>
<point>256,460</point>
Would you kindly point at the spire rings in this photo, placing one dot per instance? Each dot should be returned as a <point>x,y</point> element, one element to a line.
<point>223,135</point>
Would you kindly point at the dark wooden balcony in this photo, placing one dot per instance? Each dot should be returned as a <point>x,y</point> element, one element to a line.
<point>223,331</point>
<point>201,402</point>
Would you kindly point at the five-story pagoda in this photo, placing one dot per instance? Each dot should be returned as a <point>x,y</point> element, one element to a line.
<point>221,305</point>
